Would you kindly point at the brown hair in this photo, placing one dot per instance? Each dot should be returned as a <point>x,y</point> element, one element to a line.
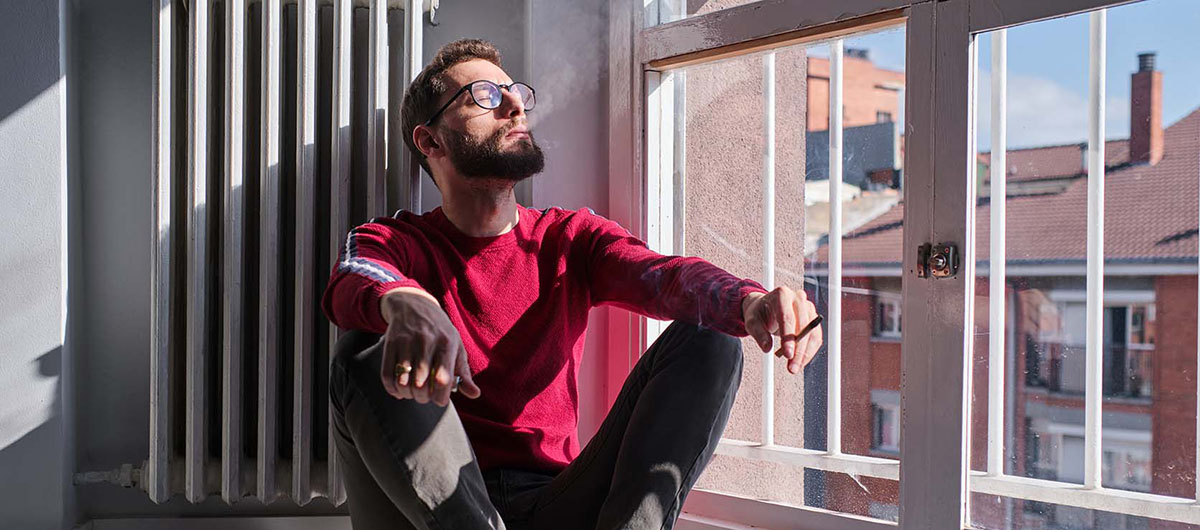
<point>421,98</point>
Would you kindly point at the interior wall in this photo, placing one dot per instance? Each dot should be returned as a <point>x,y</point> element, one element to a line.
<point>33,256</point>
<point>568,66</point>
<point>111,46</point>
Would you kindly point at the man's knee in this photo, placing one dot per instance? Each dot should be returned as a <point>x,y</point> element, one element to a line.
<point>352,346</point>
<point>718,350</point>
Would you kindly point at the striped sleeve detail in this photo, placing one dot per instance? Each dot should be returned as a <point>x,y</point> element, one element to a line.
<point>351,262</point>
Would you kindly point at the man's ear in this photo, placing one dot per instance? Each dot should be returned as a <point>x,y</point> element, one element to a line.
<point>426,142</point>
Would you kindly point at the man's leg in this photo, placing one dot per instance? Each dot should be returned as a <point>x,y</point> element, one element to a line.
<point>405,464</point>
<point>658,437</point>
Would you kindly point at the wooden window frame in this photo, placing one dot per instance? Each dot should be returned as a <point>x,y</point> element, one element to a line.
<point>941,59</point>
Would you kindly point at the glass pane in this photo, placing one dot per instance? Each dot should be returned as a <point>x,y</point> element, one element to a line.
<point>873,234</point>
<point>664,11</point>
<point>718,148</point>
<point>1152,170</point>
<point>993,512</point>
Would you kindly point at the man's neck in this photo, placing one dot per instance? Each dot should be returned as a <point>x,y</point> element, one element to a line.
<point>483,209</point>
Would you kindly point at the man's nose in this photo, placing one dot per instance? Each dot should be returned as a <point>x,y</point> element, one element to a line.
<point>511,105</point>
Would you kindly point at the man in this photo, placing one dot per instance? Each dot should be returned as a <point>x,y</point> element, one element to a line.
<point>490,299</point>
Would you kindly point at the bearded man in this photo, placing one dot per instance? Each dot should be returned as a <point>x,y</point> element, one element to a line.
<point>455,399</point>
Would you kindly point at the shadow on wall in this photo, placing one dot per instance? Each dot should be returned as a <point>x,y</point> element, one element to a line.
<point>23,461</point>
<point>28,48</point>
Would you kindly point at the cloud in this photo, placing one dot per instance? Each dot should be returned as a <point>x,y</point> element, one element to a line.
<point>1044,112</point>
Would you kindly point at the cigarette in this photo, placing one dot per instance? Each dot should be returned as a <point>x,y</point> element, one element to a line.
<point>811,326</point>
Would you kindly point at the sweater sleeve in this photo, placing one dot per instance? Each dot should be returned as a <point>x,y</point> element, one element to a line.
<point>624,272</point>
<point>370,264</point>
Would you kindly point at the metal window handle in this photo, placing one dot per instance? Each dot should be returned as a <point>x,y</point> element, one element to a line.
<point>937,261</point>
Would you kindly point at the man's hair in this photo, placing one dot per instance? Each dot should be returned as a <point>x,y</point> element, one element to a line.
<point>421,98</point>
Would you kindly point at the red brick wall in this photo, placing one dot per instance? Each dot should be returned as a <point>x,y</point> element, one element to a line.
<point>1174,408</point>
<point>861,95</point>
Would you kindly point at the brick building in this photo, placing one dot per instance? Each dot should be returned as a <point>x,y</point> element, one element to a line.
<point>1150,301</point>
<point>870,94</point>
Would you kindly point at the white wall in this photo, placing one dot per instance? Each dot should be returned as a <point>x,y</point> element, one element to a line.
<point>568,66</point>
<point>33,260</point>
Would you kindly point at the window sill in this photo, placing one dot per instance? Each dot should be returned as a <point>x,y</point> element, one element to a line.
<point>885,453</point>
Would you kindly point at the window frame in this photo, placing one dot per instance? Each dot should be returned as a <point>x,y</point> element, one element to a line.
<point>941,59</point>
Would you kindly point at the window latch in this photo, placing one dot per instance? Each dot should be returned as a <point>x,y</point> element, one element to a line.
<point>937,261</point>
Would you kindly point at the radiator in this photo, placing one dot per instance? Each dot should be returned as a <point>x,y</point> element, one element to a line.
<point>275,129</point>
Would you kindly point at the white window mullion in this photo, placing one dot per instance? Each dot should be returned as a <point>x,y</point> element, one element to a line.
<point>833,346</point>
<point>1095,254</point>
<point>997,254</point>
<point>768,403</point>
<point>410,168</point>
<point>660,161</point>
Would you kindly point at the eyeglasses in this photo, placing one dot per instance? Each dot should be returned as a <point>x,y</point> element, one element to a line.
<point>487,95</point>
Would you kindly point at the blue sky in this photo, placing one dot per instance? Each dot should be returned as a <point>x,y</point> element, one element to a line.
<point>1048,64</point>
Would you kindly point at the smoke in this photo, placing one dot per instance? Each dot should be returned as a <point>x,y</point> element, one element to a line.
<point>567,56</point>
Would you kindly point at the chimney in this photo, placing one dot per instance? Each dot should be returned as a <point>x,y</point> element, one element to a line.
<point>1145,120</point>
<point>859,53</point>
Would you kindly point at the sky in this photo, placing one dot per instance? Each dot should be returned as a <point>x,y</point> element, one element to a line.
<point>1048,68</point>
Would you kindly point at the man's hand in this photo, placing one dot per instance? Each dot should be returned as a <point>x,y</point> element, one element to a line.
<point>784,313</point>
<point>421,337</point>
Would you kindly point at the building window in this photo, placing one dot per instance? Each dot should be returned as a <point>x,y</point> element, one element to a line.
<point>1126,466</point>
<point>1141,326</point>
<point>887,317</point>
<point>886,435</point>
<point>883,116</point>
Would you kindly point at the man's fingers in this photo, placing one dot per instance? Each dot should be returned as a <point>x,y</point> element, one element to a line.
<point>756,328</point>
<point>816,338</point>
<point>803,317</point>
<point>413,354</point>
<point>467,387</point>
<point>440,382</point>
<point>387,368</point>
<point>784,318</point>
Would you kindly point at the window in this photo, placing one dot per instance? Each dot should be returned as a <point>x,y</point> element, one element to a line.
<point>886,436</point>
<point>887,317</point>
<point>882,116</point>
<point>1072,334</point>
<point>1141,326</point>
<point>1127,467</point>
<point>1035,366</point>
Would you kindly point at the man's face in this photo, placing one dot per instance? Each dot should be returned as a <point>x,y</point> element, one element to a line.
<point>483,143</point>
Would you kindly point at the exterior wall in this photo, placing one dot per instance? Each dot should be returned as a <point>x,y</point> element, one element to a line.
<point>861,92</point>
<point>1174,409</point>
<point>35,408</point>
<point>723,215</point>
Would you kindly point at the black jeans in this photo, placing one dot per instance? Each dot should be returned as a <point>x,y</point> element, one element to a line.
<point>410,465</point>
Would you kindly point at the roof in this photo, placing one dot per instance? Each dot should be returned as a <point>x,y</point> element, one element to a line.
<point>1150,211</point>
<point>1057,161</point>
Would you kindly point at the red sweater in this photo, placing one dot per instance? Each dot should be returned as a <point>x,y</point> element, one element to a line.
<point>520,301</point>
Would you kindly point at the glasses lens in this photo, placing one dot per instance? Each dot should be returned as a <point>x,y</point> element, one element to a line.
<point>486,94</point>
<point>525,93</point>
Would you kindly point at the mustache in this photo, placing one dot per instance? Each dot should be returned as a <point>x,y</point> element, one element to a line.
<point>511,125</point>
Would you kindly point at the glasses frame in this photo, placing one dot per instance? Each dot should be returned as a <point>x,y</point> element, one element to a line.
<point>467,87</point>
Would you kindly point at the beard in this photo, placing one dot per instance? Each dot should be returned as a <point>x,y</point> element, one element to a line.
<point>486,158</point>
